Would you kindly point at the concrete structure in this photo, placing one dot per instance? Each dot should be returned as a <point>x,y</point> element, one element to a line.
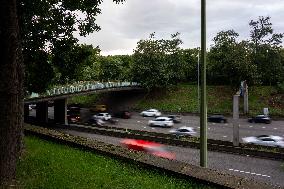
<point>59,96</point>
<point>236,125</point>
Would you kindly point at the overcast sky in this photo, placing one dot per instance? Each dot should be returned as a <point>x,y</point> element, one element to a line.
<point>125,24</point>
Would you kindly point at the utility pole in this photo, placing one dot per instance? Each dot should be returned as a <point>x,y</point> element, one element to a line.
<point>203,107</point>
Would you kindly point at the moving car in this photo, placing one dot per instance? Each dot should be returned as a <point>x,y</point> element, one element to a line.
<point>183,131</point>
<point>162,122</point>
<point>73,113</point>
<point>122,114</point>
<point>103,116</point>
<point>95,121</point>
<point>265,140</point>
<point>152,148</point>
<point>260,119</point>
<point>175,118</point>
<point>217,119</point>
<point>151,113</point>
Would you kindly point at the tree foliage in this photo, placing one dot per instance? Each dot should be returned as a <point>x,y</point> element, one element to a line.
<point>157,62</point>
<point>47,27</point>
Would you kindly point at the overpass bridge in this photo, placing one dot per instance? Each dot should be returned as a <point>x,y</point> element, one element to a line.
<point>60,94</point>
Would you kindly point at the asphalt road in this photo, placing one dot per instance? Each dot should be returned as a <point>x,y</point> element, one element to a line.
<point>264,170</point>
<point>220,131</point>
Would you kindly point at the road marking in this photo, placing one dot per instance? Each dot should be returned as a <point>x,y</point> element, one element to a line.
<point>214,123</point>
<point>275,128</point>
<point>145,127</point>
<point>208,128</point>
<point>250,126</point>
<point>263,127</point>
<point>226,123</point>
<point>138,121</point>
<point>225,136</point>
<point>198,127</point>
<point>247,172</point>
<point>153,128</point>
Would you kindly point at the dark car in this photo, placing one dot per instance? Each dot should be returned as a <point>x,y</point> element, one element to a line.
<point>73,113</point>
<point>175,118</point>
<point>217,119</point>
<point>122,114</point>
<point>73,118</point>
<point>260,119</point>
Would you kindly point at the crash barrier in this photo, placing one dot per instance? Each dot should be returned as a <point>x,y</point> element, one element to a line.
<point>193,142</point>
<point>172,167</point>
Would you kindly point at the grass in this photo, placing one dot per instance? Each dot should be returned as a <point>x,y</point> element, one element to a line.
<point>183,98</point>
<point>49,165</point>
<point>86,101</point>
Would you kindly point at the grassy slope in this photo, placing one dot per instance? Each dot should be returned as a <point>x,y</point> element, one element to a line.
<point>49,165</point>
<point>184,99</point>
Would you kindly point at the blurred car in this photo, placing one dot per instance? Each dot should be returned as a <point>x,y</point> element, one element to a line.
<point>175,118</point>
<point>162,122</point>
<point>122,114</point>
<point>217,119</point>
<point>73,114</point>
<point>183,131</point>
<point>95,121</point>
<point>265,140</point>
<point>73,118</point>
<point>152,148</point>
<point>151,113</point>
<point>98,108</point>
<point>103,116</point>
<point>260,119</point>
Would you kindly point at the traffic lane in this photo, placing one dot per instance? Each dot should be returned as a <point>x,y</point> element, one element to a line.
<point>218,131</point>
<point>259,169</point>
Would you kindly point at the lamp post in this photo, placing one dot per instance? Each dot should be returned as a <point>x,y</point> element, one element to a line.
<point>203,107</point>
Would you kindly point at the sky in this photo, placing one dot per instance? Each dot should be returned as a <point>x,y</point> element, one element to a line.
<point>123,25</point>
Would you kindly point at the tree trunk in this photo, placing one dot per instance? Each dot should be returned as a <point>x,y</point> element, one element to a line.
<point>11,92</point>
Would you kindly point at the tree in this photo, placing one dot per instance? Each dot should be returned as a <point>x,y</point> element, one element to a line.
<point>11,92</point>
<point>230,61</point>
<point>48,25</point>
<point>266,46</point>
<point>157,62</point>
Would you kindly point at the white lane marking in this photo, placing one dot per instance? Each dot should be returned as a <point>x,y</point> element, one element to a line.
<point>225,136</point>
<point>138,121</point>
<point>226,124</point>
<point>153,128</point>
<point>247,172</point>
<point>214,123</point>
<point>263,127</point>
<point>275,128</point>
<point>198,127</point>
<point>250,126</point>
<point>208,128</point>
<point>145,127</point>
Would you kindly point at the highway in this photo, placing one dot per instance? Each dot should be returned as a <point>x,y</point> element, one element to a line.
<point>264,170</point>
<point>219,131</point>
<point>256,168</point>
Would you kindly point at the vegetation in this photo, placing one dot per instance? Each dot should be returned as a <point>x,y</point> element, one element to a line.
<point>48,165</point>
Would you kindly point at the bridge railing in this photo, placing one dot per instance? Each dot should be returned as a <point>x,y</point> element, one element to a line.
<point>82,86</point>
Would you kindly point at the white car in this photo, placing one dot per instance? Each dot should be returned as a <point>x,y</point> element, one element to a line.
<point>151,113</point>
<point>102,116</point>
<point>183,131</point>
<point>265,140</point>
<point>162,122</point>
